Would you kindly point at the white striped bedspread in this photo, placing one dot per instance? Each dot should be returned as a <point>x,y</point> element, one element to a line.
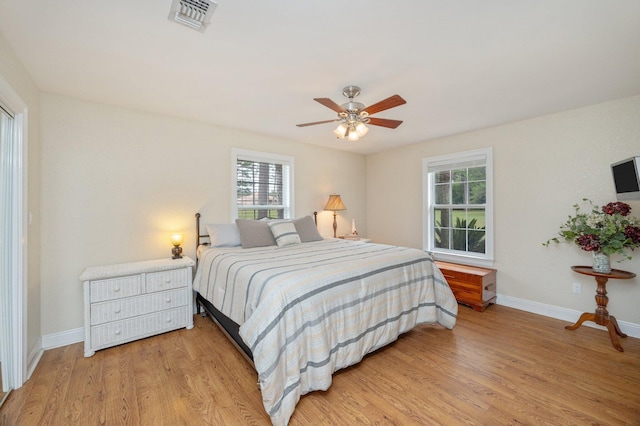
<point>308,310</point>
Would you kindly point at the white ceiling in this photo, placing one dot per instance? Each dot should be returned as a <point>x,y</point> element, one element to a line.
<point>460,64</point>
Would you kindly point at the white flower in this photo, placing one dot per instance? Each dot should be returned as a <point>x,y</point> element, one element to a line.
<point>594,220</point>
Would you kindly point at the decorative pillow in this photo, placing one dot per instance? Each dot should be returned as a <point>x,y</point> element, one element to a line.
<point>284,233</point>
<point>306,228</point>
<point>223,235</point>
<point>254,233</point>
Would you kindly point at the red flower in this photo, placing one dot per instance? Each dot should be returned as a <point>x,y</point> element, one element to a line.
<point>612,208</point>
<point>588,242</point>
<point>632,232</point>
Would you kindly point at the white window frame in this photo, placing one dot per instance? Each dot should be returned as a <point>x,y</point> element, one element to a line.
<point>457,256</point>
<point>266,157</point>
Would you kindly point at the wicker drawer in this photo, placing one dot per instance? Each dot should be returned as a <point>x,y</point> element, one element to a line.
<point>139,305</point>
<point>117,332</point>
<point>471,285</point>
<point>165,280</point>
<point>130,301</point>
<point>115,288</point>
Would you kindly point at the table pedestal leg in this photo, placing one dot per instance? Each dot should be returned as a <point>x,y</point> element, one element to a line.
<point>601,316</point>
<point>587,316</point>
<point>614,331</point>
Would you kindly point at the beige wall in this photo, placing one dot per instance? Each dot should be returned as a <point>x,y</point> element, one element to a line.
<point>117,183</point>
<point>542,167</point>
<point>20,82</point>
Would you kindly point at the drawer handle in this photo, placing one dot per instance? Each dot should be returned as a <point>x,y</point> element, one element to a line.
<point>168,300</point>
<point>168,319</point>
<point>117,310</point>
<point>117,332</point>
<point>116,289</point>
<point>167,280</point>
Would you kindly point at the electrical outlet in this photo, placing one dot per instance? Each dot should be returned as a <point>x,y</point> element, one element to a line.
<point>577,288</point>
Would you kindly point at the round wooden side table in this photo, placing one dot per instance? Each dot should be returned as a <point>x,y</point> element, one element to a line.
<point>601,316</point>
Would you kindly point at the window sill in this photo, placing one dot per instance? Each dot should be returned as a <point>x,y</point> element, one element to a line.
<point>465,260</point>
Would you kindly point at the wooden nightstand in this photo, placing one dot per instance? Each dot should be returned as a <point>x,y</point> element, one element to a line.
<point>471,285</point>
<point>131,301</point>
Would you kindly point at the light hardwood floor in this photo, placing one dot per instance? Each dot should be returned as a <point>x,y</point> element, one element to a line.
<point>499,367</point>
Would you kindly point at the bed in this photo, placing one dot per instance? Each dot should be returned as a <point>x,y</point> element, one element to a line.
<point>305,306</point>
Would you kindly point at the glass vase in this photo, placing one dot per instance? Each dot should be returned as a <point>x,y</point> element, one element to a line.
<point>601,263</point>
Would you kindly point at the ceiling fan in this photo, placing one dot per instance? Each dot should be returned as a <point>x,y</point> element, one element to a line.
<point>354,116</point>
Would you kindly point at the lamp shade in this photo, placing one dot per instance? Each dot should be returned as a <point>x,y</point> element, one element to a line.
<point>353,136</point>
<point>340,131</point>
<point>361,129</point>
<point>176,239</point>
<point>334,203</point>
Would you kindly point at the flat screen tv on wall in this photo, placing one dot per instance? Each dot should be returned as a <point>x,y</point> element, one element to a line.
<point>626,178</point>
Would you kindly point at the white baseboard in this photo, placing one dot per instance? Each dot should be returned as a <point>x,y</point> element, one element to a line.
<point>63,338</point>
<point>564,314</point>
<point>34,358</point>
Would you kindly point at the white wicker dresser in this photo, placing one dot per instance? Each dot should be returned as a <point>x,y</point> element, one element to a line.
<point>131,301</point>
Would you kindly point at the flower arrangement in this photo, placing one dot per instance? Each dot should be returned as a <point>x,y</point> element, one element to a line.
<point>605,230</point>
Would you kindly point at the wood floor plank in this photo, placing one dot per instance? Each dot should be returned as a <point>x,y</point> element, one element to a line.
<point>498,367</point>
<point>83,391</point>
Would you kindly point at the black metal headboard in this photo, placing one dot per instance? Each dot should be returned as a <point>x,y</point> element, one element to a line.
<point>200,241</point>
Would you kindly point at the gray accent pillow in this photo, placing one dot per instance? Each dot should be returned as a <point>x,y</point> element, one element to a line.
<point>307,230</point>
<point>254,233</point>
<point>284,233</point>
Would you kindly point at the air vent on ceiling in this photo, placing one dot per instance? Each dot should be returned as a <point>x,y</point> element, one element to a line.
<point>192,13</point>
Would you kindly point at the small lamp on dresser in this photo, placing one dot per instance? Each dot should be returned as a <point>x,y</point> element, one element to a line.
<point>176,251</point>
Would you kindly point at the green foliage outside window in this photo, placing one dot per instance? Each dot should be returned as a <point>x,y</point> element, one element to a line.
<point>461,237</point>
<point>259,185</point>
<point>460,228</point>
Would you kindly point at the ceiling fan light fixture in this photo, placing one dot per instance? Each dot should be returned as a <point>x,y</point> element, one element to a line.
<point>361,129</point>
<point>353,135</point>
<point>340,131</point>
<point>354,116</point>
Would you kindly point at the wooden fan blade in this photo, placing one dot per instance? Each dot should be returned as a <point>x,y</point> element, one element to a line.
<point>317,122</point>
<point>390,102</point>
<point>330,104</point>
<point>392,124</point>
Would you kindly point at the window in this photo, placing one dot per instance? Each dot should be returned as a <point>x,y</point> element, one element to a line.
<point>458,209</point>
<point>262,185</point>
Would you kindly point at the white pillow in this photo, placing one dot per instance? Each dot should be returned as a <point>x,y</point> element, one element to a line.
<point>223,235</point>
<point>284,233</point>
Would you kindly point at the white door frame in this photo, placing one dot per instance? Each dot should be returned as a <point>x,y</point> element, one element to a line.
<point>17,263</point>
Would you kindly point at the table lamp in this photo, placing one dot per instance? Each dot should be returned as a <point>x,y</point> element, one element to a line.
<point>335,204</point>
<point>176,251</point>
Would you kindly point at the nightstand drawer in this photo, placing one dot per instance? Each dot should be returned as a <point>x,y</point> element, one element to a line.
<point>139,305</point>
<point>113,333</point>
<point>115,288</point>
<point>165,280</point>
